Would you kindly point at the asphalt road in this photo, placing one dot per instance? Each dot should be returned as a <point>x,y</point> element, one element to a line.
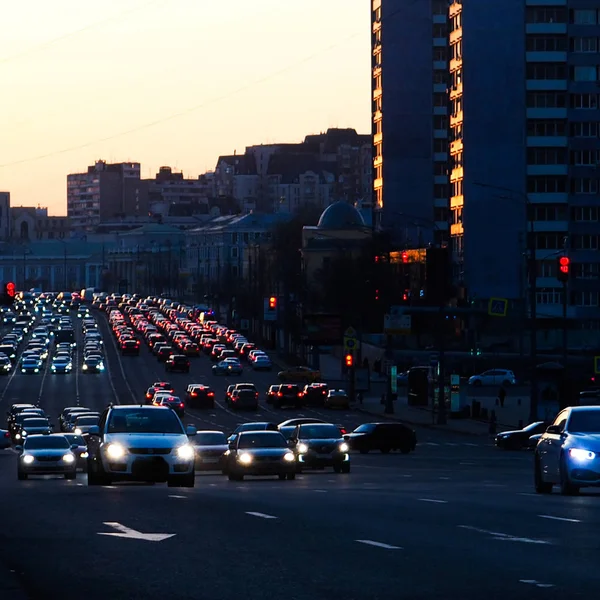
<point>456,519</point>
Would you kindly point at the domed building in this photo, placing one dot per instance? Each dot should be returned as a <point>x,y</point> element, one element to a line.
<point>341,231</point>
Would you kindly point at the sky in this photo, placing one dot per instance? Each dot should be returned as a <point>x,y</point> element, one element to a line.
<point>170,82</point>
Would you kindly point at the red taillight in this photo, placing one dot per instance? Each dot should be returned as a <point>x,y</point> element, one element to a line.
<point>256,394</point>
<point>7,435</point>
<point>279,394</point>
<point>194,393</point>
<point>299,394</point>
<point>148,396</point>
<point>182,405</point>
<point>344,432</point>
<point>211,393</point>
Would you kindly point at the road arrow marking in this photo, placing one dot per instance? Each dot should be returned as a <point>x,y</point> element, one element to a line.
<point>125,532</point>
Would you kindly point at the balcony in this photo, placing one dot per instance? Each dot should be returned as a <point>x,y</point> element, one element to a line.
<point>378,183</point>
<point>456,91</point>
<point>456,119</point>
<point>456,146</point>
<point>377,139</point>
<point>377,161</point>
<point>455,36</point>
<point>377,93</point>
<point>456,174</point>
<point>456,229</point>
<point>455,64</point>
<point>457,201</point>
<point>454,9</point>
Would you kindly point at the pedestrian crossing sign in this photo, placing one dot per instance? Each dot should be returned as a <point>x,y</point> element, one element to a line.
<point>497,307</point>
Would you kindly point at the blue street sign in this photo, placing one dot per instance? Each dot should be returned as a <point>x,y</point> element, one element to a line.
<point>498,307</point>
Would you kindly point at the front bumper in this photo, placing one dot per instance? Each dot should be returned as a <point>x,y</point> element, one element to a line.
<point>48,468</point>
<point>315,459</point>
<point>209,463</point>
<point>266,467</point>
<point>147,467</point>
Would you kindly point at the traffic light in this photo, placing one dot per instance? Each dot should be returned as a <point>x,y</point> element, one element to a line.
<point>405,257</point>
<point>564,268</point>
<point>377,295</point>
<point>272,303</point>
<point>349,361</point>
<point>8,294</point>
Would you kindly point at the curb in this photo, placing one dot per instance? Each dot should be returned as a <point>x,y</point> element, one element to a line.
<point>431,426</point>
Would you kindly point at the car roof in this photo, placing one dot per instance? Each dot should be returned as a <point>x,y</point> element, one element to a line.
<point>261,431</point>
<point>584,408</point>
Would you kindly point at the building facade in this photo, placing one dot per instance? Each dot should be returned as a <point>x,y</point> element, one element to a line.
<point>5,222</point>
<point>104,192</point>
<point>29,223</point>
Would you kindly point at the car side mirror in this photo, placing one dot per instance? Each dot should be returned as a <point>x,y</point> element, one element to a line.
<point>19,449</point>
<point>74,446</point>
<point>191,431</point>
<point>555,429</point>
<point>94,430</point>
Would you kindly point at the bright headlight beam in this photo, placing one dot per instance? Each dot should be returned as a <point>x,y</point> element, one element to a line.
<point>302,448</point>
<point>344,447</point>
<point>68,458</point>
<point>289,457</point>
<point>28,459</point>
<point>579,454</point>
<point>245,458</point>
<point>115,451</point>
<point>185,452</point>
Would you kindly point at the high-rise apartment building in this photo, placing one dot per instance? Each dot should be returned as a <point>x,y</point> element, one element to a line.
<point>5,225</point>
<point>523,92</point>
<point>105,192</point>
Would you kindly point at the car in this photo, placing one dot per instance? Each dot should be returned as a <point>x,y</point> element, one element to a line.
<point>200,396</point>
<point>141,443</point>
<point>5,439</point>
<point>177,363</point>
<point>314,394</point>
<point>210,447</point>
<point>173,402</point>
<point>5,365</point>
<point>68,425</point>
<point>80,451</point>
<point>243,399</point>
<point>32,426</point>
<point>261,363</point>
<point>384,437</point>
<point>61,364</point>
<point>519,439</point>
<point>259,453</point>
<point>164,353</point>
<point>568,453</point>
<point>299,375</point>
<point>298,421</point>
<point>92,364</point>
<point>84,422</point>
<point>253,426</point>
<point>62,419</point>
<point>319,445</point>
<point>130,347</point>
<point>497,377</point>
<point>31,364</point>
<point>289,394</point>
<point>337,399</point>
<point>230,366</point>
<point>46,454</point>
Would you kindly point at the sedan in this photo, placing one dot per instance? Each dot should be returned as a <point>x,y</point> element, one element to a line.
<point>319,445</point>
<point>81,452</point>
<point>230,366</point>
<point>44,454</point>
<point>568,453</point>
<point>520,438</point>
<point>30,364</point>
<point>494,377</point>
<point>259,453</point>
<point>61,364</point>
<point>262,363</point>
<point>210,448</point>
<point>92,364</point>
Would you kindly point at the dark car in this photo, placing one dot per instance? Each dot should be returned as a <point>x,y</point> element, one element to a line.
<point>259,453</point>
<point>200,396</point>
<point>519,439</point>
<point>314,394</point>
<point>382,436</point>
<point>289,394</point>
<point>93,364</point>
<point>272,393</point>
<point>5,365</point>
<point>9,351</point>
<point>320,445</point>
<point>81,451</point>
<point>210,448</point>
<point>165,353</point>
<point>130,347</point>
<point>174,403</point>
<point>243,399</point>
<point>254,426</point>
<point>177,363</point>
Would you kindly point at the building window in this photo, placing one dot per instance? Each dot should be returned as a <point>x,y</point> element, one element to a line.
<point>547,184</point>
<point>546,43</point>
<point>584,101</point>
<point>584,73</point>
<point>546,268</point>
<point>440,99</point>
<point>440,30</point>
<point>584,185</point>
<point>440,122</point>
<point>546,14</point>
<point>440,191</point>
<point>546,100</point>
<point>586,298</point>
<point>584,16</point>
<point>585,158</point>
<point>547,156</point>
<point>440,146</point>
<point>439,168</point>
<point>584,130</point>
<point>548,212</point>
<point>586,270</point>
<point>584,44</point>
<point>439,53</point>
<point>585,242</point>
<point>585,213</point>
<point>549,241</point>
<point>545,71</point>
<point>549,296</point>
<point>552,127</point>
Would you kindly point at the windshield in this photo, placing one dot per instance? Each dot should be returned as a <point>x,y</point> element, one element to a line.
<point>365,428</point>
<point>35,423</point>
<point>46,442</point>
<point>87,421</point>
<point>287,432</point>
<point>587,421</point>
<point>262,440</point>
<point>533,426</point>
<point>319,431</point>
<point>210,439</point>
<point>75,439</point>
<point>250,427</point>
<point>136,420</point>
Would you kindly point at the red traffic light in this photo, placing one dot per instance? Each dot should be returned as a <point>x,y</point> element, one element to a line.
<point>405,257</point>
<point>272,303</point>
<point>564,263</point>
<point>349,360</point>
<point>11,289</point>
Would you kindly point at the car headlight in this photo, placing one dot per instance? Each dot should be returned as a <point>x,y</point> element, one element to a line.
<point>77,431</point>
<point>579,454</point>
<point>344,447</point>
<point>53,368</point>
<point>101,367</point>
<point>84,455</point>
<point>289,457</point>
<point>36,370</point>
<point>186,452</point>
<point>18,436</point>
<point>115,451</point>
<point>302,448</point>
<point>28,459</point>
<point>245,458</point>
<point>68,458</point>
<point>85,367</point>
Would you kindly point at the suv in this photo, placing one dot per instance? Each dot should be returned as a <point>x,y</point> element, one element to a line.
<point>177,362</point>
<point>141,443</point>
<point>200,396</point>
<point>289,394</point>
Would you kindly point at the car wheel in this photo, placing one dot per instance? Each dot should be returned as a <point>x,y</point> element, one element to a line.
<point>281,476</point>
<point>337,468</point>
<point>541,487</point>
<point>566,487</point>
<point>291,476</point>
<point>71,476</point>
<point>21,476</point>
<point>346,467</point>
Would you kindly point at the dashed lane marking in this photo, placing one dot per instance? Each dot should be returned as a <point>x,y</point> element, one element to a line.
<point>212,415</point>
<point>378,544</point>
<point>450,444</point>
<point>433,500</point>
<point>505,537</point>
<point>178,497</point>
<point>565,519</point>
<point>444,478</point>
<point>260,515</point>
<point>536,583</point>
<point>320,491</point>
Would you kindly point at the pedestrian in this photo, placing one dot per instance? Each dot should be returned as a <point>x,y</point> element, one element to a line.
<point>502,396</point>
<point>493,423</point>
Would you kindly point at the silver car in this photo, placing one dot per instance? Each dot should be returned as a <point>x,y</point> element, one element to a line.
<point>568,453</point>
<point>46,454</point>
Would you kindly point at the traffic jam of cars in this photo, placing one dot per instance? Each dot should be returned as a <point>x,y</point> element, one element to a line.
<point>149,441</point>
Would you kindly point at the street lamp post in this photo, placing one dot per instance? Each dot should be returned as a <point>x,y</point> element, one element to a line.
<point>529,230</point>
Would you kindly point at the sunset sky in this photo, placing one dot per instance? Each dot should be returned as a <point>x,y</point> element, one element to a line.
<point>170,82</point>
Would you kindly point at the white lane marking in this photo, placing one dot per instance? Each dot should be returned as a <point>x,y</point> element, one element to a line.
<point>77,374</point>
<point>320,491</point>
<point>450,444</point>
<point>429,444</point>
<point>48,360</point>
<point>505,537</point>
<point>126,532</point>
<point>179,497</point>
<point>301,415</point>
<point>559,519</point>
<point>444,478</point>
<point>260,515</point>
<point>238,416</point>
<point>120,362</point>
<point>406,476</point>
<point>80,484</point>
<point>212,484</point>
<point>472,445</point>
<point>378,544</point>
<point>536,583</point>
<point>527,494</point>
<point>433,500</point>
<point>212,415</point>
<point>109,487</point>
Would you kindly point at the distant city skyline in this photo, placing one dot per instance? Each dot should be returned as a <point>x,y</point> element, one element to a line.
<point>81,86</point>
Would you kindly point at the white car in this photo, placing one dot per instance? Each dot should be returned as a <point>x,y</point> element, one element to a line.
<point>494,377</point>
<point>262,362</point>
<point>568,453</point>
<point>141,443</point>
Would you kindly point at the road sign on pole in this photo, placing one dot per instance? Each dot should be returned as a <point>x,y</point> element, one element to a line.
<point>350,341</point>
<point>497,307</point>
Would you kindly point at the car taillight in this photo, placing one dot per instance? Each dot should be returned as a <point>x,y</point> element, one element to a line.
<point>256,394</point>
<point>279,394</point>
<point>182,405</point>
<point>343,430</point>
<point>7,435</point>
<point>299,394</point>
<point>148,396</point>
<point>194,393</point>
<point>211,393</point>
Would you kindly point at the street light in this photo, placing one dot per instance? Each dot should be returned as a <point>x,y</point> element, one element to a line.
<point>532,279</point>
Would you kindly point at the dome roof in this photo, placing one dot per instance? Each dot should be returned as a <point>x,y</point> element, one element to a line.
<point>341,215</point>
